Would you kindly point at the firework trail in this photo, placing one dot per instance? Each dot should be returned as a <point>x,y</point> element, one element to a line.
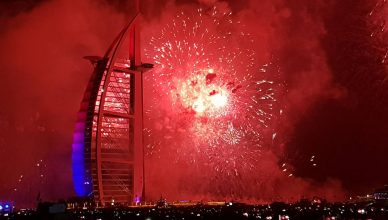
<point>375,54</point>
<point>377,23</point>
<point>213,103</point>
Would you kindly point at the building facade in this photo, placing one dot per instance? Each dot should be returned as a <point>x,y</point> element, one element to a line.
<point>108,161</point>
<point>381,194</point>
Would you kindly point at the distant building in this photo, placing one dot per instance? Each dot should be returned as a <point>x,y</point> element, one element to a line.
<point>381,194</point>
<point>6,208</point>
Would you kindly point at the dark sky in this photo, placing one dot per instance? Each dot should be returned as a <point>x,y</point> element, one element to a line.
<point>349,135</point>
<point>336,81</point>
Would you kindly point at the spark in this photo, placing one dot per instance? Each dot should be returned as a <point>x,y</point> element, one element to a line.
<point>232,136</point>
<point>213,102</point>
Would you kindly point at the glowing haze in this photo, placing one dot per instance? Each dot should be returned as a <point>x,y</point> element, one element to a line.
<point>281,100</point>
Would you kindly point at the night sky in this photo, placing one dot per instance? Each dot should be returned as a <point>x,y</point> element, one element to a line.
<point>331,53</point>
<point>350,133</point>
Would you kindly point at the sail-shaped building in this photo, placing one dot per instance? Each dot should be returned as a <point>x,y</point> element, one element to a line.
<point>108,160</point>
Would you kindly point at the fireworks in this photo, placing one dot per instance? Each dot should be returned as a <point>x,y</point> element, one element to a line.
<point>377,22</point>
<point>212,102</point>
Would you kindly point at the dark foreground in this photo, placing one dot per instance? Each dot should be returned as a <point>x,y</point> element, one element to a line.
<point>275,211</point>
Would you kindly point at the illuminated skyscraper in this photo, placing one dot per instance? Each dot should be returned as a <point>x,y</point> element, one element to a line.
<point>108,161</point>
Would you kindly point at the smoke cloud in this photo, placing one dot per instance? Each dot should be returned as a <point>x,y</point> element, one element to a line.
<point>43,79</point>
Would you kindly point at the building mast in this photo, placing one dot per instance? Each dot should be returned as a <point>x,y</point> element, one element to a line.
<point>137,107</point>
